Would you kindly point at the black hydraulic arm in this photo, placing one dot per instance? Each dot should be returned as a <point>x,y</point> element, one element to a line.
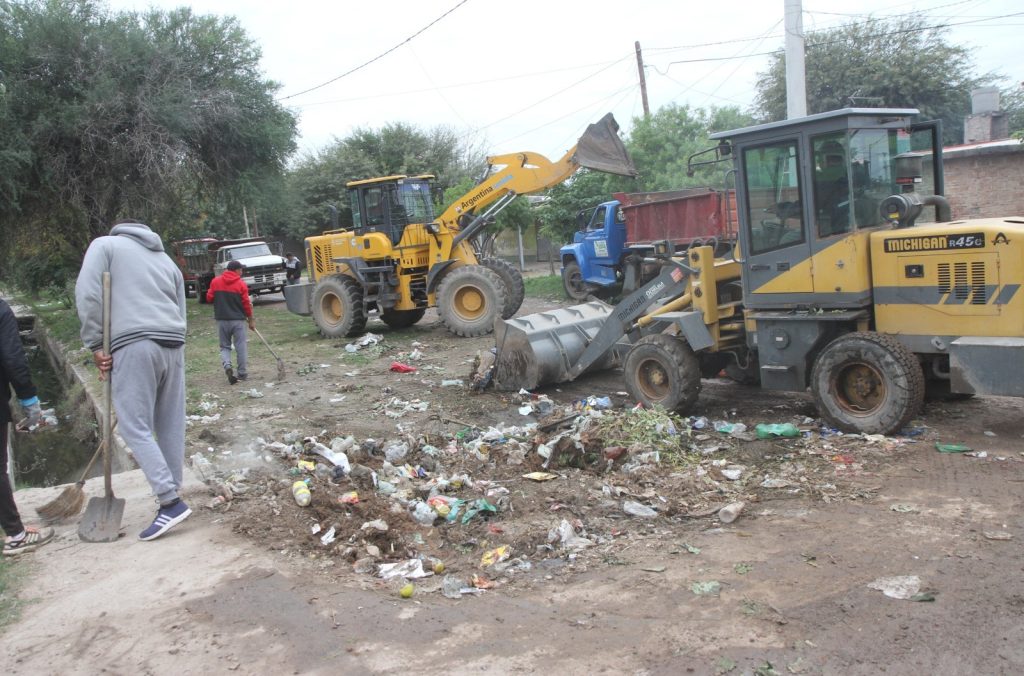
<point>670,283</point>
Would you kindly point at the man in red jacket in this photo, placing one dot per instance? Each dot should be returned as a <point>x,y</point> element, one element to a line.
<point>232,309</point>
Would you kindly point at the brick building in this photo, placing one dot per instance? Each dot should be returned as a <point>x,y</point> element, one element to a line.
<point>985,174</point>
<point>985,179</point>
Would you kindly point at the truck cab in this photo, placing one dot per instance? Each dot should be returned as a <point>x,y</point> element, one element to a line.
<point>592,260</point>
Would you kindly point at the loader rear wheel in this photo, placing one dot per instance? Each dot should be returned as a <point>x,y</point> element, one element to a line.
<point>572,280</point>
<point>338,307</point>
<point>515,289</point>
<point>469,299</point>
<point>867,382</point>
<point>662,370</point>
<point>401,319</point>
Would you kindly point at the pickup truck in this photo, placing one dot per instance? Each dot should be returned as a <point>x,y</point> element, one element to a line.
<point>608,250</point>
<point>203,259</point>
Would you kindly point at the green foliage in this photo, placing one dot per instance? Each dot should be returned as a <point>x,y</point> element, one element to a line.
<point>1012,102</point>
<point>898,63</point>
<point>546,286</point>
<point>10,603</point>
<point>104,115</point>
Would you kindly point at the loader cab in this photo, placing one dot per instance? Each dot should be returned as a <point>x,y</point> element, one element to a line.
<point>389,204</point>
<point>809,192</point>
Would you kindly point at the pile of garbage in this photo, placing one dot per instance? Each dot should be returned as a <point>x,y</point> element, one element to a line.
<point>470,511</point>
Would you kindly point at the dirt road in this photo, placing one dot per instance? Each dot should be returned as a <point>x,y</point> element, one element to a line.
<point>248,589</point>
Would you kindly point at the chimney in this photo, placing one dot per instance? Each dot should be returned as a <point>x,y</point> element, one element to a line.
<point>986,121</point>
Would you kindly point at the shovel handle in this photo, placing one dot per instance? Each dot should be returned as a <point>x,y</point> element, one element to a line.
<point>266,343</point>
<point>107,391</point>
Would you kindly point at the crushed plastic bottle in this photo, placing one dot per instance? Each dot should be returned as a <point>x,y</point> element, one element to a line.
<point>769,430</point>
<point>300,491</point>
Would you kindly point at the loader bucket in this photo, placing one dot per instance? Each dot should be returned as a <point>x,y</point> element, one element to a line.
<point>539,349</point>
<point>601,148</point>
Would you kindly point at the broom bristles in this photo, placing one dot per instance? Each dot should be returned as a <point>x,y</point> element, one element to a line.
<point>67,504</point>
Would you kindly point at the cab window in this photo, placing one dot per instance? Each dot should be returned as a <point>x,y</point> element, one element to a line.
<point>774,214</point>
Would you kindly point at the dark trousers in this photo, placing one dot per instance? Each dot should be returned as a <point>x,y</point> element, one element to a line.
<point>10,520</point>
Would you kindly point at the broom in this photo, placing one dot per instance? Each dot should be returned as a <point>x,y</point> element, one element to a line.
<point>70,501</point>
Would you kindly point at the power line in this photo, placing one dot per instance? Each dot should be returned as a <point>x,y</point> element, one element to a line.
<point>376,58</point>
<point>829,42</point>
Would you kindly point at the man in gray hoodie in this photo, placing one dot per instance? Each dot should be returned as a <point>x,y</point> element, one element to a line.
<point>147,355</point>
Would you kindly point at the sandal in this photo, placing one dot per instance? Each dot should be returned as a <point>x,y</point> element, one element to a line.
<point>34,538</point>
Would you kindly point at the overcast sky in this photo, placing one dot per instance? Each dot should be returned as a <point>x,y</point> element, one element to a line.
<point>531,74</point>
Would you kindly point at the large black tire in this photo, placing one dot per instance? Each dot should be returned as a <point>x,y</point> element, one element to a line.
<point>338,307</point>
<point>201,289</point>
<point>470,299</point>
<point>662,370</point>
<point>572,282</point>
<point>401,319</point>
<point>867,382</point>
<point>515,289</point>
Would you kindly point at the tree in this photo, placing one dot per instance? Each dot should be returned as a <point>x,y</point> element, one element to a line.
<point>899,63</point>
<point>153,116</point>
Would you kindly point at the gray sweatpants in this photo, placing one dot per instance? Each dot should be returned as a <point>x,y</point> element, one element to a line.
<point>149,398</point>
<point>234,330</point>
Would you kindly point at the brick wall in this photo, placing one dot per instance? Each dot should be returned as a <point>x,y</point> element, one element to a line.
<point>985,182</point>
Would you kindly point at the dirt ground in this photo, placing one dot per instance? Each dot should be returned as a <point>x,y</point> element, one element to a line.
<point>583,585</point>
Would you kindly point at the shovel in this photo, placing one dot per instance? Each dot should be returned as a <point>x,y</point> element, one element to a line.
<point>280,363</point>
<point>102,519</point>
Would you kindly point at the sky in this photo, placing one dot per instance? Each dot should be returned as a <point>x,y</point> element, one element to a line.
<point>529,75</point>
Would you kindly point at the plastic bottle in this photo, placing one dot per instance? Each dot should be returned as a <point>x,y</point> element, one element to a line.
<point>300,491</point>
<point>767,431</point>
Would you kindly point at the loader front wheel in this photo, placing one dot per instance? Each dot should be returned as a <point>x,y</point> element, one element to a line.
<point>867,382</point>
<point>401,319</point>
<point>662,370</point>
<point>469,300</point>
<point>338,307</point>
<point>572,280</point>
<point>515,289</point>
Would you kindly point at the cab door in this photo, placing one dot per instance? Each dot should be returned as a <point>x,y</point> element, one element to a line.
<point>776,247</point>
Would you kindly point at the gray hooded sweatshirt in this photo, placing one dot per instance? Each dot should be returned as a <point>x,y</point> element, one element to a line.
<point>147,290</point>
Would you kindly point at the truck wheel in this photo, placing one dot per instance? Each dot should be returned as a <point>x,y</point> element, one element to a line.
<point>662,370</point>
<point>572,280</point>
<point>515,289</point>
<point>469,299</point>
<point>338,307</point>
<point>867,382</point>
<point>201,290</point>
<point>400,319</point>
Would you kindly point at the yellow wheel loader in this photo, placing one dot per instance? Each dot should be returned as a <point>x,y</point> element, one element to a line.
<point>398,260</point>
<point>849,278</point>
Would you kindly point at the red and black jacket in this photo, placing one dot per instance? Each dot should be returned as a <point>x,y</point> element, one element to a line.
<point>230,297</point>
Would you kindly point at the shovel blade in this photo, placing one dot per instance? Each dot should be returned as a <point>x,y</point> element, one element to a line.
<point>102,519</point>
<point>601,149</point>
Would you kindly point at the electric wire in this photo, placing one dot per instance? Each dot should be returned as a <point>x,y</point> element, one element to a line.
<point>376,58</point>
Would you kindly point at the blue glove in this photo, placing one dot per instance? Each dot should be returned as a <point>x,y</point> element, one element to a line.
<point>33,411</point>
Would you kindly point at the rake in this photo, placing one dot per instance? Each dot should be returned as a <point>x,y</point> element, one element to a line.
<point>280,362</point>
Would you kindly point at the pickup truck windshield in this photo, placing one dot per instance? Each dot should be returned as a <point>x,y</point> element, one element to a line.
<point>236,253</point>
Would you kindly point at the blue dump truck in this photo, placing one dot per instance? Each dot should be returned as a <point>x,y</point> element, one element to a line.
<point>607,254</point>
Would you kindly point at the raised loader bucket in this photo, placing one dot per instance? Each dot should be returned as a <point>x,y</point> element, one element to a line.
<point>539,349</point>
<point>601,148</point>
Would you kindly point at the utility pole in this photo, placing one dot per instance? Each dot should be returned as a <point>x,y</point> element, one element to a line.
<point>796,83</point>
<point>245,217</point>
<point>643,80</point>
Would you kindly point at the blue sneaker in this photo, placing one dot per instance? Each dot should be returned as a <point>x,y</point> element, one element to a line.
<point>166,518</point>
